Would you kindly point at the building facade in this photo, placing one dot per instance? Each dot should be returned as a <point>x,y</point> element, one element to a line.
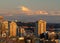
<point>5,27</point>
<point>1,20</point>
<point>40,27</point>
<point>13,28</point>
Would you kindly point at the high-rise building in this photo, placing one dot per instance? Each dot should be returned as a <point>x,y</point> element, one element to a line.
<point>5,26</point>
<point>21,31</point>
<point>1,20</point>
<point>40,27</point>
<point>13,28</point>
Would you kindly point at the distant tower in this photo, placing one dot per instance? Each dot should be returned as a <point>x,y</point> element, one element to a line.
<point>13,28</point>
<point>40,27</point>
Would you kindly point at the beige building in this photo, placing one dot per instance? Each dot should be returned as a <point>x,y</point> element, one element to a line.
<point>4,26</point>
<point>41,26</point>
<point>22,31</point>
<point>1,20</point>
<point>13,28</point>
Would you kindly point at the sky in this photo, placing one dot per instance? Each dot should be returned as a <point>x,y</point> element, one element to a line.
<point>29,7</point>
<point>32,4</point>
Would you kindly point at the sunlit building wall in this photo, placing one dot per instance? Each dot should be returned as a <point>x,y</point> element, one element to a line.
<point>13,28</point>
<point>22,31</point>
<point>1,20</point>
<point>41,26</point>
<point>0,28</point>
<point>5,26</point>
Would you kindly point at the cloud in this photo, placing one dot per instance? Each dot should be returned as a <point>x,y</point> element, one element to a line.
<point>55,12</point>
<point>25,9</point>
<point>41,12</point>
<point>28,11</point>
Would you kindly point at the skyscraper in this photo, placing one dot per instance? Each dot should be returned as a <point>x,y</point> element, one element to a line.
<point>1,20</point>
<point>13,28</point>
<point>4,25</point>
<point>41,26</point>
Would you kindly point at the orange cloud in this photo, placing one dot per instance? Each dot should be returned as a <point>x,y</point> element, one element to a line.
<point>41,12</point>
<point>25,9</point>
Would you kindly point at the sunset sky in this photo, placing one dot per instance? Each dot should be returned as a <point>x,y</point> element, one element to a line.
<point>29,7</point>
